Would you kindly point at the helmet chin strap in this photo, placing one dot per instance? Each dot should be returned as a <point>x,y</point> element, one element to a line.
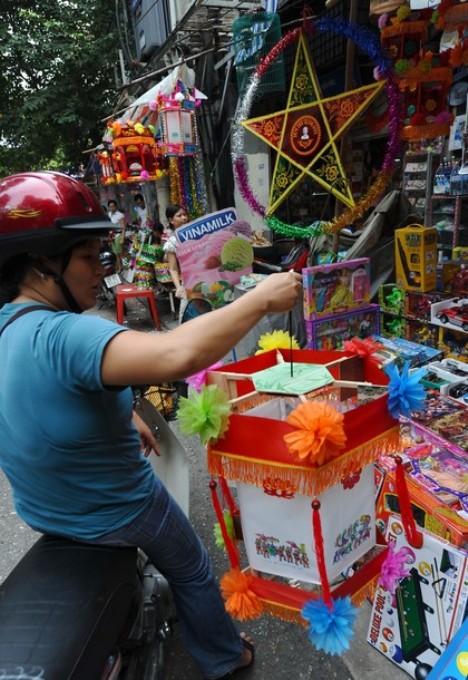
<point>58,279</point>
<point>70,300</point>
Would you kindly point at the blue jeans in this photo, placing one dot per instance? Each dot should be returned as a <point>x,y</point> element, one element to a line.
<point>165,534</point>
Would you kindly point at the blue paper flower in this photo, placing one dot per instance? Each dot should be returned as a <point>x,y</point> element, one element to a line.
<point>330,629</point>
<point>406,393</point>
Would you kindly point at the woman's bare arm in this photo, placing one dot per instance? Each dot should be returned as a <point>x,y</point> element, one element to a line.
<point>137,358</point>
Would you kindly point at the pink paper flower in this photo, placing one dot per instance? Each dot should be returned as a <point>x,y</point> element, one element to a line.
<point>393,569</point>
<point>197,380</point>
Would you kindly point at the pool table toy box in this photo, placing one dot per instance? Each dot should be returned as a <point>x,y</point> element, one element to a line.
<point>416,258</point>
<point>413,626</point>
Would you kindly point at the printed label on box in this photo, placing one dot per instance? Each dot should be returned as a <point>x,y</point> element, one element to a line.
<point>414,625</point>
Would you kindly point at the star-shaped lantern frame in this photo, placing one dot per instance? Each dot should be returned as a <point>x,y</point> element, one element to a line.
<point>326,119</point>
<point>306,132</point>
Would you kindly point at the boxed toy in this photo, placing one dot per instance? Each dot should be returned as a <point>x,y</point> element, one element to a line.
<point>336,288</point>
<point>445,419</point>
<point>454,278</point>
<point>452,313</point>
<point>392,299</point>
<point>414,625</point>
<point>393,326</point>
<point>453,664</point>
<point>329,333</point>
<point>416,257</point>
<point>422,333</point>
<point>418,305</point>
<point>401,350</point>
<point>460,253</point>
<point>436,484</point>
<point>454,344</point>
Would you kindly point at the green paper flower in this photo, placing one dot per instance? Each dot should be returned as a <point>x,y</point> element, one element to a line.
<point>205,413</point>
<point>218,534</point>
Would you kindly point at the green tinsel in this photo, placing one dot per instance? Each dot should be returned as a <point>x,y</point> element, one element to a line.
<point>316,229</point>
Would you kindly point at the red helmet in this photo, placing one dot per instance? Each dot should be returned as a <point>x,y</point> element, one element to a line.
<point>46,213</point>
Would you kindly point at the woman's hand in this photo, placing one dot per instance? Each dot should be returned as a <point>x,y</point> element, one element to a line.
<point>148,440</point>
<point>279,292</point>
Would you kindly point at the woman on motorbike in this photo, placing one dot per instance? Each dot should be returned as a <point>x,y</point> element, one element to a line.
<point>70,445</point>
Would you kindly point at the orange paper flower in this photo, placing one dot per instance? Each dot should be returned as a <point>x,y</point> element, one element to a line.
<point>320,434</point>
<point>241,602</point>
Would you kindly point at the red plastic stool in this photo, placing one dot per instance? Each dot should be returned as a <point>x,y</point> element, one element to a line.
<point>128,290</point>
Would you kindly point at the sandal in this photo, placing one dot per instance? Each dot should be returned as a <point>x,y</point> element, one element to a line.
<point>251,648</point>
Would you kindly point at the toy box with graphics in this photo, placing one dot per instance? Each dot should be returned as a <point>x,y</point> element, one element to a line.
<point>414,625</point>
<point>330,332</point>
<point>336,288</point>
<point>445,420</point>
<point>453,343</point>
<point>416,257</point>
<point>436,485</point>
<point>451,313</point>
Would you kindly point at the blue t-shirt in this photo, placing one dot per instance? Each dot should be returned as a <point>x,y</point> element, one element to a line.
<point>67,444</point>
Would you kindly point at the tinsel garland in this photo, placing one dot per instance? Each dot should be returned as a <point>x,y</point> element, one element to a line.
<point>368,43</point>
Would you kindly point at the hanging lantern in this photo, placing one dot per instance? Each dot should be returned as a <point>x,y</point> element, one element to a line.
<point>177,133</point>
<point>134,155</point>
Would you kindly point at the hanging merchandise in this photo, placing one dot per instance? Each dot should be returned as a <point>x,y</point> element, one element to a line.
<point>176,134</point>
<point>424,76</point>
<point>305,495</point>
<point>133,156</point>
<point>305,135</point>
<point>254,35</point>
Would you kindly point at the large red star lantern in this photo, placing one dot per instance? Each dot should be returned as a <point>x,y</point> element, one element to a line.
<point>305,133</point>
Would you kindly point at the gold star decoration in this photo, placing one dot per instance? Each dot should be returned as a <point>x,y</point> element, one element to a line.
<point>305,133</point>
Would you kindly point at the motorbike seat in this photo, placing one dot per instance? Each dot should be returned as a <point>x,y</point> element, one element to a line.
<point>63,607</point>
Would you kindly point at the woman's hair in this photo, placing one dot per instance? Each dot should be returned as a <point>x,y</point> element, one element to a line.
<point>12,275</point>
<point>172,210</point>
<point>111,201</point>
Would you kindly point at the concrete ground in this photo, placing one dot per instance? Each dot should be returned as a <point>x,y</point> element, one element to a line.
<point>283,651</point>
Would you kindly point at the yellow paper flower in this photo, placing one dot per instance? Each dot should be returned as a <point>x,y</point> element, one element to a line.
<point>320,432</point>
<point>276,340</point>
<point>403,12</point>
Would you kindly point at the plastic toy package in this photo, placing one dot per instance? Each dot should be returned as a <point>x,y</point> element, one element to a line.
<point>329,333</point>
<point>336,288</point>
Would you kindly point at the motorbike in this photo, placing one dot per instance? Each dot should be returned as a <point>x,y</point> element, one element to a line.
<point>111,277</point>
<point>72,611</point>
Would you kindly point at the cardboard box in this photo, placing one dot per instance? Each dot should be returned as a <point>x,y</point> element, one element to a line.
<point>453,664</point>
<point>392,326</point>
<point>336,288</point>
<point>418,305</point>
<point>453,343</point>
<point>454,278</point>
<point>431,508</point>
<point>443,420</point>
<point>414,625</point>
<point>401,350</point>
<point>422,333</point>
<point>392,299</point>
<point>416,257</point>
<point>330,332</point>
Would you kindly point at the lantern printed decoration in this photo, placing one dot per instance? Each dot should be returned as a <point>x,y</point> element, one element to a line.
<point>176,134</point>
<point>133,157</point>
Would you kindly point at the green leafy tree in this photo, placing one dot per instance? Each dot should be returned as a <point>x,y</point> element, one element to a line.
<point>57,80</point>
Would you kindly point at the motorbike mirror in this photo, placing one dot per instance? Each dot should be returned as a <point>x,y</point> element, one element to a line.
<point>195,308</point>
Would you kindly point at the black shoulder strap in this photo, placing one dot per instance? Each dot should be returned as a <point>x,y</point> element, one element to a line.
<point>21,312</point>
